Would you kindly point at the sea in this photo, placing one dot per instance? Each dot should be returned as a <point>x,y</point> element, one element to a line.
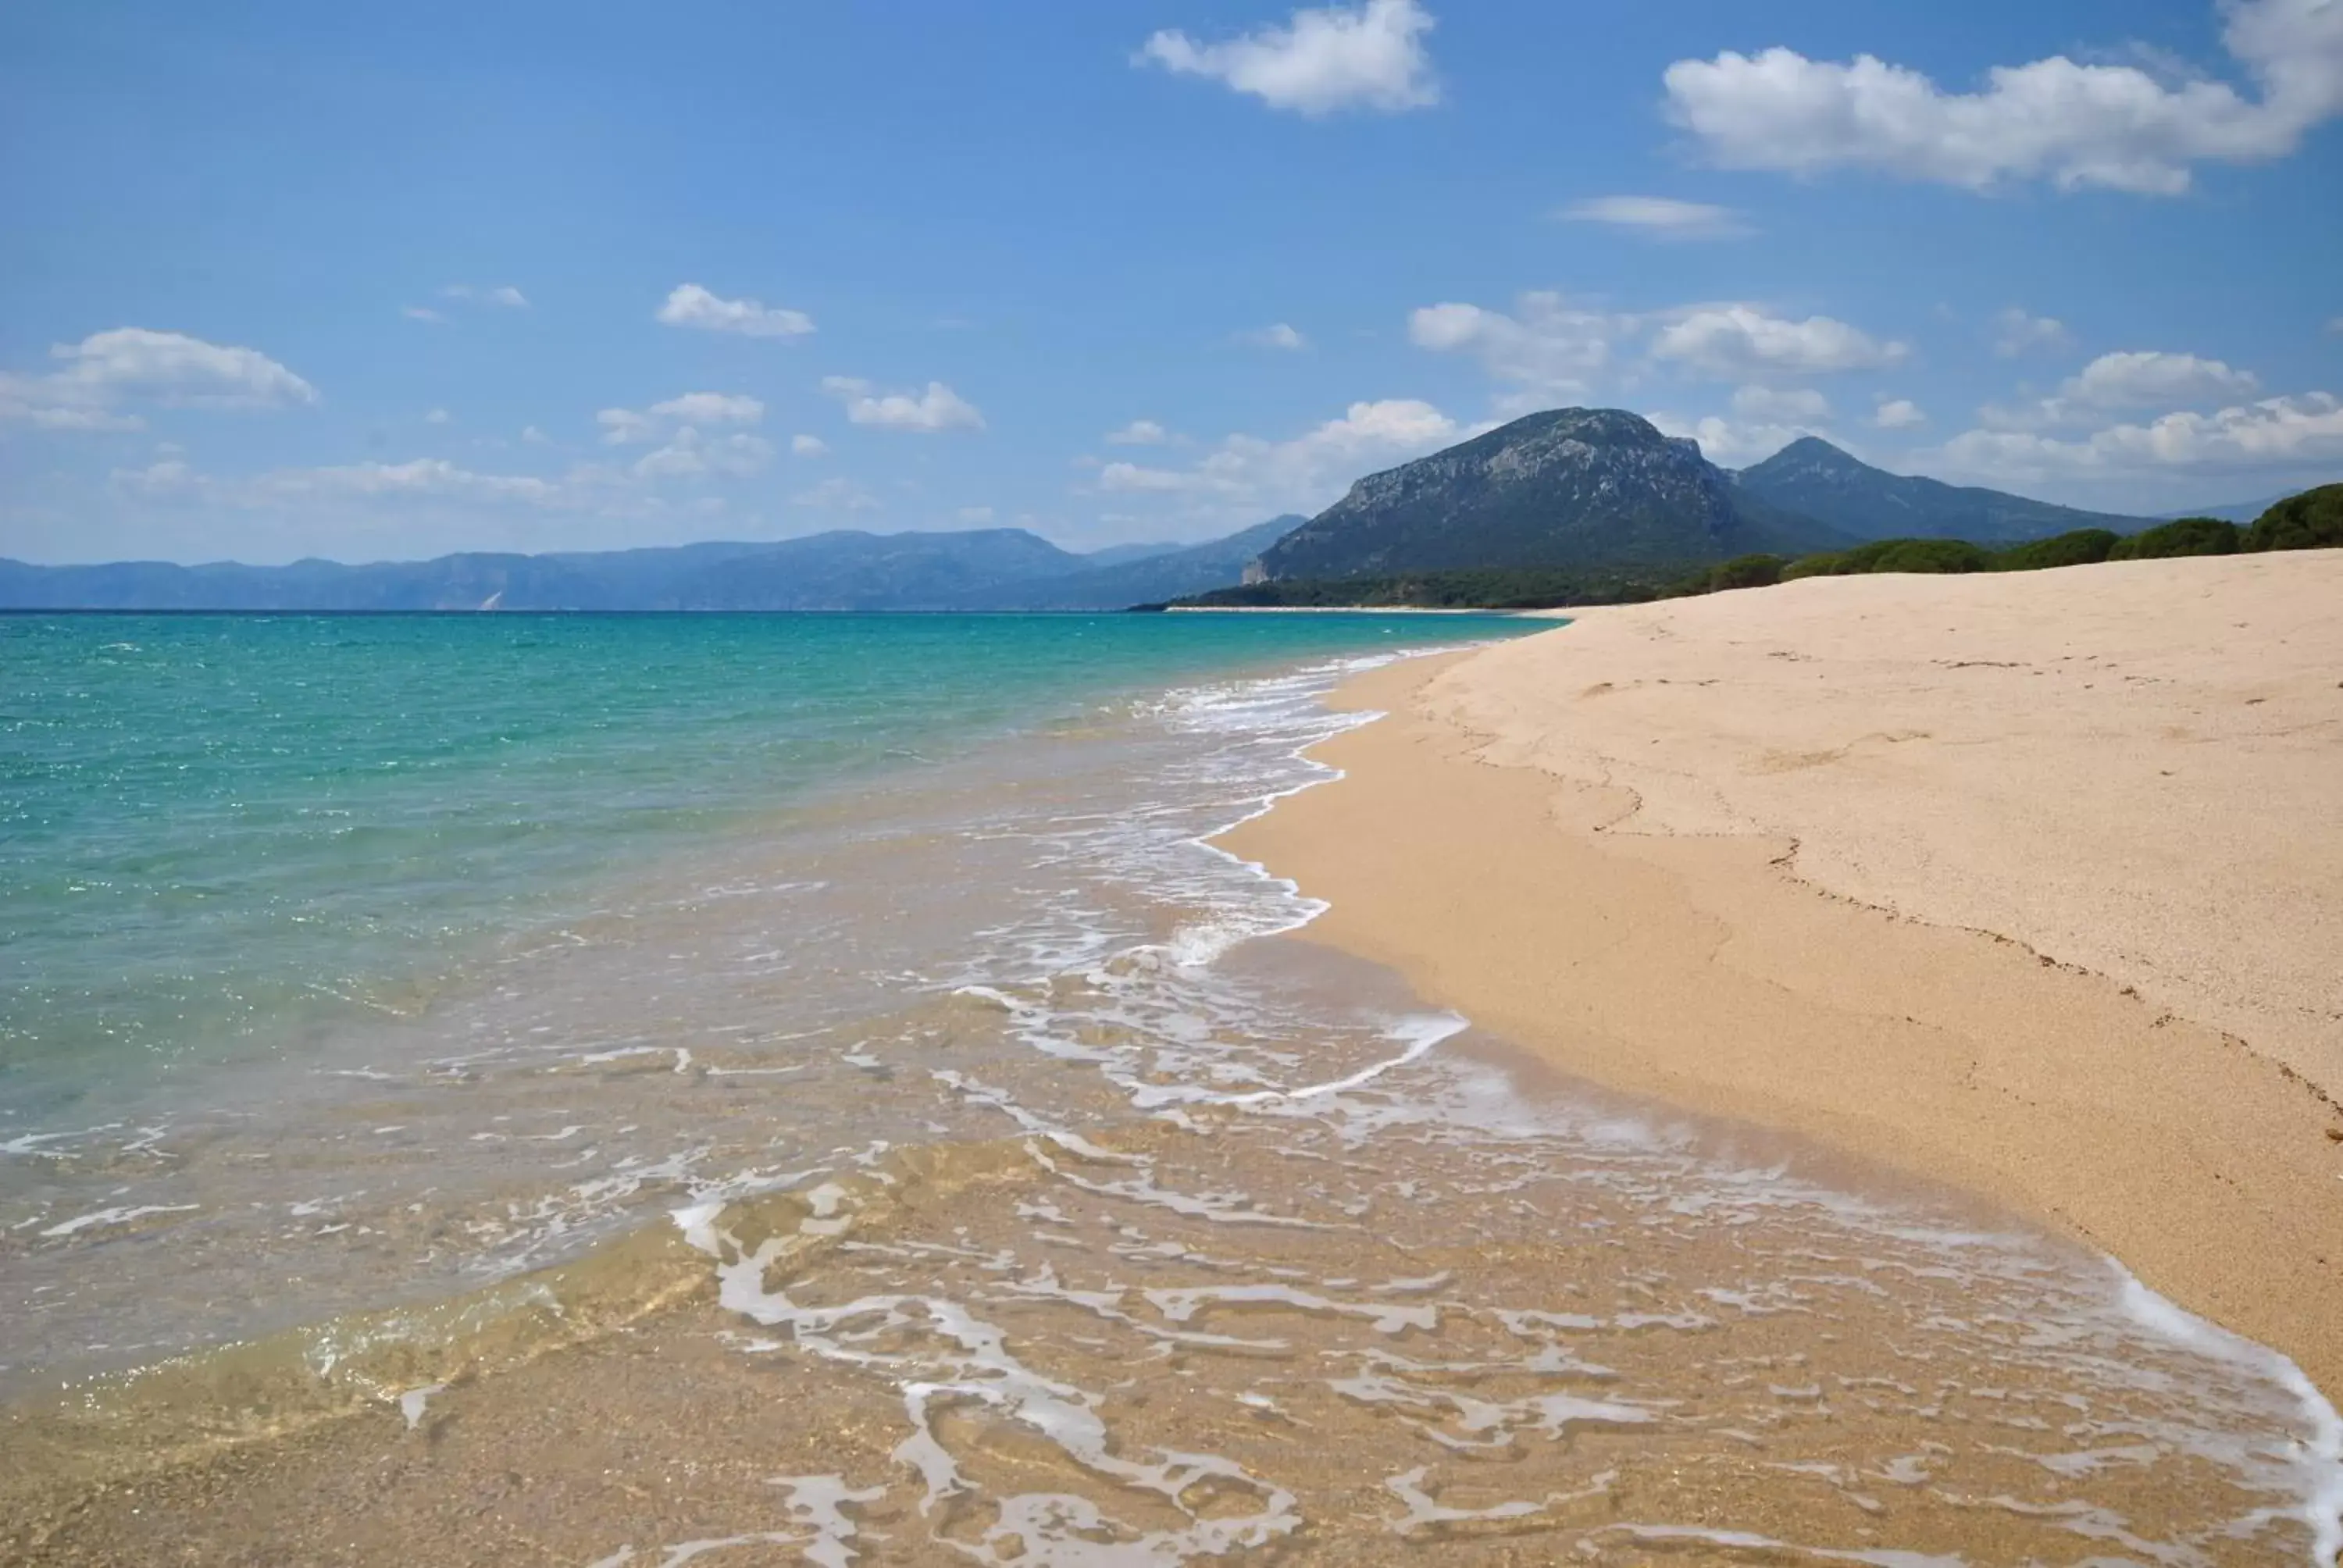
<point>627,1090</point>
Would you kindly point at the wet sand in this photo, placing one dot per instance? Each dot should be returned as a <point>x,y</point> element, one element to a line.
<point>2029,883</point>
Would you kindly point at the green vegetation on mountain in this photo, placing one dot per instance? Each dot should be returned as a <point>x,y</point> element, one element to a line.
<point>2312,521</point>
<point>1813,479</point>
<point>2185,536</point>
<point>2084,547</point>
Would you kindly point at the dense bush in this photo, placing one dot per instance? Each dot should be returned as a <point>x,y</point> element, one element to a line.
<point>2188,536</point>
<point>1895,556</point>
<point>2312,521</point>
<point>1746,571</point>
<point>2084,547</point>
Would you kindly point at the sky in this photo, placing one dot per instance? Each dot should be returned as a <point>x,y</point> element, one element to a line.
<point>285,280</point>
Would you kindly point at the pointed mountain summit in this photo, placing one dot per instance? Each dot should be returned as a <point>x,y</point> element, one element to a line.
<point>1570,487</point>
<point>1816,479</point>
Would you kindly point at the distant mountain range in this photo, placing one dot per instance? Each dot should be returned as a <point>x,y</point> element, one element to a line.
<point>1816,479</point>
<point>1592,489</point>
<point>987,568</point>
<point>1598,496</point>
<point>2233,512</point>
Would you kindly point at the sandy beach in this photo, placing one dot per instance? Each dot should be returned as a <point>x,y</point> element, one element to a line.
<point>2032,883</point>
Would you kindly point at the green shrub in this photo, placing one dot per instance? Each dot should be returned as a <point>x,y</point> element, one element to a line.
<point>1931,555</point>
<point>2084,547</point>
<point>1746,571</point>
<point>2312,521</point>
<point>2188,536</point>
<point>1824,566</point>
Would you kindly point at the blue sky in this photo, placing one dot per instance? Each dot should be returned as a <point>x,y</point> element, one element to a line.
<point>289,279</point>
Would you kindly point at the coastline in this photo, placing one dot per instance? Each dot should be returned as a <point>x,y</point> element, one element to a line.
<point>1703,850</point>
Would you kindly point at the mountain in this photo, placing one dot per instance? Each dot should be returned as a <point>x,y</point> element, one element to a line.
<point>2234,512</point>
<point>1816,479</point>
<point>1176,574</point>
<point>1570,487</point>
<point>986,569</point>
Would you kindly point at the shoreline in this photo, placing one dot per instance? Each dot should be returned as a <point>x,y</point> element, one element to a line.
<point>1654,928</point>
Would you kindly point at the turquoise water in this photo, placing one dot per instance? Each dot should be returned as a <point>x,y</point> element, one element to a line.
<point>222,834</point>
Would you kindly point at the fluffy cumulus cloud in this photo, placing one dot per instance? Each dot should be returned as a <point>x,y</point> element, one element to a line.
<point>2014,332</point>
<point>1660,218</point>
<point>1731,443</point>
<point>1368,56</point>
<point>626,426</point>
<point>1898,413</point>
<point>2119,126</point>
<point>2273,437</point>
<point>1139,433</point>
<point>1734,341</point>
<point>99,382</point>
<point>804,446</point>
<point>2113,382</point>
<point>1546,344</point>
<point>1245,474</point>
<point>689,304</point>
<point>939,408</point>
<point>691,455</point>
<point>1549,348</point>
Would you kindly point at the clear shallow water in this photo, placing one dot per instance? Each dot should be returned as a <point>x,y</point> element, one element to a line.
<point>224,834</point>
<point>963,1166</point>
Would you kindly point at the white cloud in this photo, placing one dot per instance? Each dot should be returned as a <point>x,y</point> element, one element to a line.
<point>1740,340</point>
<point>689,454</point>
<point>504,296</point>
<point>688,305</point>
<point>1731,443</point>
<point>1139,433</point>
<point>2335,325</point>
<point>436,417</point>
<point>712,408</point>
<point>1245,474</point>
<point>1277,334</point>
<point>2273,435</point>
<point>168,479</point>
<point>1898,413</point>
<point>1547,345</point>
<point>421,477</point>
<point>1801,405</point>
<point>1338,57</point>
<point>837,496</point>
<point>1661,217</point>
<point>2144,380</point>
<point>625,427</point>
<point>2112,125</point>
<point>975,514</point>
<point>421,313</point>
<point>804,446</point>
<point>937,409</point>
<point>2015,333</point>
<point>133,365</point>
<point>534,436</point>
